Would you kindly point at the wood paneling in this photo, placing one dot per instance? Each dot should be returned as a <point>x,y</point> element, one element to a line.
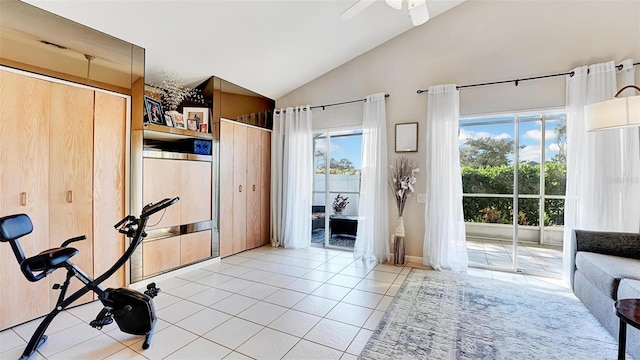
<point>239,188</point>
<point>226,188</point>
<point>265,188</point>
<point>24,168</point>
<point>245,157</point>
<point>160,255</point>
<point>195,246</point>
<point>108,184</point>
<point>196,191</point>
<point>162,178</point>
<point>71,178</point>
<point>254,147</point>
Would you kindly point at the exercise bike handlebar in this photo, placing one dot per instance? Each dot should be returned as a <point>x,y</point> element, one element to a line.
<point>151,209</point>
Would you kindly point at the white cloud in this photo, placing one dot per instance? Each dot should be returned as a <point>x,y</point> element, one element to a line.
<point>536,134</point>
<point>322,146</point>
<point>554,147</point>
<point>530,153</point>
<point>465,135</point>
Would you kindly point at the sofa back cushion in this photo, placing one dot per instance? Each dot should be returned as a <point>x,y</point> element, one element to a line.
<point>609,243</point>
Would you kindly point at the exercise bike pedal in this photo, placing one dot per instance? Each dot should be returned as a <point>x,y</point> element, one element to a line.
<point>152,291</point>
<point>99,323</point>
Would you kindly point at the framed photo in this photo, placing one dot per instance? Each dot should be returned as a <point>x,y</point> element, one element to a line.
<point>177,119</point>
<point>168,121</point>
<point>154,111</point>
<point>407,137</point>
<point>195,117</point>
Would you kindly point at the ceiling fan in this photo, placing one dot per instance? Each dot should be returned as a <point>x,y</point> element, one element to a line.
<point>418,11</point>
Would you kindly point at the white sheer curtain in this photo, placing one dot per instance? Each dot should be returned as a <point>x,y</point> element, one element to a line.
<point>445,245</point>
<point>291,177</point>
<point>603,167</point>
<point>372,241</point>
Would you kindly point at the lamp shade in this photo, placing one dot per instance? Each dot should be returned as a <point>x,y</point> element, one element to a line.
<point>619,112</point>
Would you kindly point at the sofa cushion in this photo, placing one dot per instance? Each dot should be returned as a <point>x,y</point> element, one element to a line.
<point>629,289</point>
<point>605,271</point>
<point>609,243</point>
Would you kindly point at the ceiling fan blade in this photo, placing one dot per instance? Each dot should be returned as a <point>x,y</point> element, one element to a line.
<point>354,10</point>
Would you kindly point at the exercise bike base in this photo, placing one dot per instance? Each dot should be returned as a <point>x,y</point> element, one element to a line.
<point>43,339</point>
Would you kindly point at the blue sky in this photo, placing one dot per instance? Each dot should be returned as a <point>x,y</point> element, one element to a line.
<point>530,134</point>
<point>347,147</point>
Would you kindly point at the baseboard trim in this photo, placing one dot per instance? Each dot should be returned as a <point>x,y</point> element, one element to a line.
<point>142,284</point>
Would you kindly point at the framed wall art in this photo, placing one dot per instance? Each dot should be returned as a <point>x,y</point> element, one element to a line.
<point>407,137</point>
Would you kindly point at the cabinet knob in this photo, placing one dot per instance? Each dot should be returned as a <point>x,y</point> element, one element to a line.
<point>240,188</point>
<point>254,187</point>
<point>23,198</point>
<point>69,196</point>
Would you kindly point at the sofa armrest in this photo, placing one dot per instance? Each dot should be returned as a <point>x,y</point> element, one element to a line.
<point>608,243</point>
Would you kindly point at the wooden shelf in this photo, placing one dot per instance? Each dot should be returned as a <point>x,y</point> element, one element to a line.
<point>161,132</point>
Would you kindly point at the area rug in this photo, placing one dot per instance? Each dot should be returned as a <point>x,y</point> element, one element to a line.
<point>438,315</point>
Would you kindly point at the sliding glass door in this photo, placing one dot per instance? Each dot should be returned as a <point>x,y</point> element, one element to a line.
<point>336,188</point>
<point>514,214</point>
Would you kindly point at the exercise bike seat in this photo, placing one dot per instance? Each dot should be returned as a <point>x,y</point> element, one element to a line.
<point>14,227</point>
<point>45,262</point>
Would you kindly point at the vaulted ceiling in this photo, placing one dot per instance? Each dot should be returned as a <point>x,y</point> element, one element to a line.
<point>269,46</point>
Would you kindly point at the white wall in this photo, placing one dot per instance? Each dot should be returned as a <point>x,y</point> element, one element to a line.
<point>478,41</point>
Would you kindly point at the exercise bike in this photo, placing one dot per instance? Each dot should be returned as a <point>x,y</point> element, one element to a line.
<point>132,311</point>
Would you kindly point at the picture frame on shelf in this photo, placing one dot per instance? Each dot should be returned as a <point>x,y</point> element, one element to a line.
<point>154,111</point>
<point>195,116</point>
<point>168,121</point>
<point>177,119</point>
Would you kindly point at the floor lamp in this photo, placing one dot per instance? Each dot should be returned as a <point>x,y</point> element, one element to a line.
<point>617,113</point>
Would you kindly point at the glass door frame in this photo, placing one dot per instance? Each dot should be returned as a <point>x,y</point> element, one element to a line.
<point>516,196</point>
<point>327,191</point>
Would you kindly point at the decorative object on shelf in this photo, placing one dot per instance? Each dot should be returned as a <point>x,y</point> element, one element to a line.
<point>167,119</point>
<point>195,117</point>
<point>177,119</point>
<point>407,137</point>
<point>403,177</point>
<point>154,111</point>
<point>174,92</point>
<point>339,203</point>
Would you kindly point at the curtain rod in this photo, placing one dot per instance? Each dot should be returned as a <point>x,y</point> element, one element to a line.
<point>342,103</point>
<point>327,105</point>
<point>517,81</point>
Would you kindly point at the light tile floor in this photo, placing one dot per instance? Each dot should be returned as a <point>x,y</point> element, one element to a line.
<point>264,303</point>
<point>542,260</point>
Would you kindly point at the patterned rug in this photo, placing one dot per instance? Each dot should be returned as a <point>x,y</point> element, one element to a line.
<point>346,241</point>
<point>439,315</point>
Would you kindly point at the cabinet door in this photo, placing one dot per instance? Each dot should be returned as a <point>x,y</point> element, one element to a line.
<point>162,178</point>
<point>108,184</point>
<point>265,191</point>
<point>226,188</point>
<point>160,255</point>
<point>239,188</point>
<point>254,171</point>
<point>71,177</point>
<point>196,191</point>
<point>24,188</point>
<point>195,246</point>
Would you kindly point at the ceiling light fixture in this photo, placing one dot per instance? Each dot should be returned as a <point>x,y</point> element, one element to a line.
<point>617,113</point>
<point>418,11</point>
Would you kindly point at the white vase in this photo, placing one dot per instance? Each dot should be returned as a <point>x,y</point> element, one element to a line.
<point>400,226</point>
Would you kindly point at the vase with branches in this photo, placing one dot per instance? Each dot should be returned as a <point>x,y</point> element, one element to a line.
<point>339,203</point>
<point>402,178</point>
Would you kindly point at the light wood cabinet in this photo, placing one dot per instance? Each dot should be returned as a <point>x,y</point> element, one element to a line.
<point>189,180</point>
<point>62,159</point>
<point>244,187</point>
<point>24,168</point>
<point>71,178</point>
<point>195,246</point>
